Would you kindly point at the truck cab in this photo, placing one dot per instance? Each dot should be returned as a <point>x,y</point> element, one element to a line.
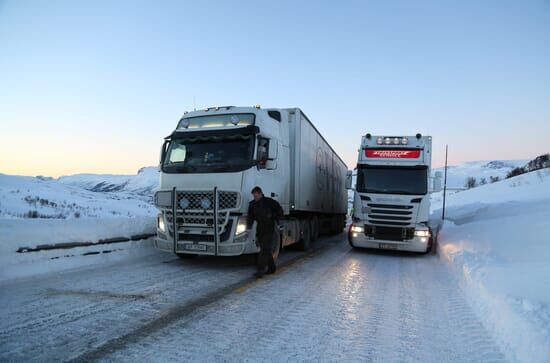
<point>391,204</point>
<point>208,165</point>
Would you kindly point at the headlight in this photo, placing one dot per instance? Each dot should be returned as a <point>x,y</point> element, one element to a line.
<point>422,233</point>
<point>357,229</point>
<point>184,203</point>
<point>160,224</point>
<point>241,226</point>
<point>163,199</point>
<point>205,203</point>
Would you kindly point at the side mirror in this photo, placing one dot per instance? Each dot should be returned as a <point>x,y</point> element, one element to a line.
<point>272,150</point>
<point>349,179</point>
<point>162,154</point>
<point>271,164</point>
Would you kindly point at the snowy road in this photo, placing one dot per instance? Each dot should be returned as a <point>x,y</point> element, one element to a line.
<point>332,304</point>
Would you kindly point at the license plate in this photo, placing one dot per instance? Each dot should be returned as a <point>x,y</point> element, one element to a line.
<point>387,246</point>
<point>193,247</point>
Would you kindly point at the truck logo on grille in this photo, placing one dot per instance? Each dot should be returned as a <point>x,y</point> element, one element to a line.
<point>392,154</point>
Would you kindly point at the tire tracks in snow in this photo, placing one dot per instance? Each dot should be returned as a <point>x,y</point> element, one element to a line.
<point>184,312</point>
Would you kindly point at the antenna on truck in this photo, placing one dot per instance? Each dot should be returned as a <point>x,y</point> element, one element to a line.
<point>445,183</point>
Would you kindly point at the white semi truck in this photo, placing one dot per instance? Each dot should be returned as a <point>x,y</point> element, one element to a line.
<point>391,204</point>
<point>214,158</point>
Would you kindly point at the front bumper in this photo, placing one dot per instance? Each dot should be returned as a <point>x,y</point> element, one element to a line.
<point>227,248</point>
<point>416,244</point>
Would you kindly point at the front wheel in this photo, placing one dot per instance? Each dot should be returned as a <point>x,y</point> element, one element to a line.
<point>276,244</point>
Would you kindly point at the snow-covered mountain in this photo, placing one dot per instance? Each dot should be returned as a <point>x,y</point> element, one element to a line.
<point>143,184</point>
<point>78,196</point>
<point>481,170</point>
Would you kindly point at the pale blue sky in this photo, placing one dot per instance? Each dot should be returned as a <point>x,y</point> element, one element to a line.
<point>94,86</point>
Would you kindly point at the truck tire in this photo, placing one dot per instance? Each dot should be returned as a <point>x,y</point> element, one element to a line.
<point>305,240</point>
<point>335,225</point>
<point>314,227</point>
<point>341,224</point>
<point>277,241</point>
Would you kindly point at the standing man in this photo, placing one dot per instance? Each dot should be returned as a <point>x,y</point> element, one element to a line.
<point>266,212</point>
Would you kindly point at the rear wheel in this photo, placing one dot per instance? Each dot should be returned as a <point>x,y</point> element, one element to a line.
<point>341,224</point>
<point>305,240</point>
<point>314,227</point>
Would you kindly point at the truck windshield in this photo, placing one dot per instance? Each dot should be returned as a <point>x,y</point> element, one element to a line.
<point>392,179</point>
<point>204,154</point>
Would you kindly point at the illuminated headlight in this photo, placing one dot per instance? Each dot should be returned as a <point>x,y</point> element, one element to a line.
<point>387,141</point>
<point>357,229</point>
<point>163,199</point>
<point>241,226</point>
<point>205,203</point>
<point>404,141</point>
<point>160,223</point>
<point>380,141</point>
<point>422,233</point>
<point>396,141</point>
<point>184,203</point>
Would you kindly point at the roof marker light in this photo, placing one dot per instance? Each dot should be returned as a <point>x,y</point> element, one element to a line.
<point>387,141</point>
<point>396,141</point>
<point>184,123</point>
<point>380,141</point>
<point>404,141</point>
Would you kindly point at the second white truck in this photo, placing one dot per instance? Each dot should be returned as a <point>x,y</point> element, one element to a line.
<point>213,159</point>
<point>391,205</point>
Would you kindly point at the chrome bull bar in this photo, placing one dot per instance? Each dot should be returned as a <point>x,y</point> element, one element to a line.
<point>215,218</point>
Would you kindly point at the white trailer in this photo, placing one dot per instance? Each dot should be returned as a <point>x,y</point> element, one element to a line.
<point>214,158</point>
<point>391,205</point>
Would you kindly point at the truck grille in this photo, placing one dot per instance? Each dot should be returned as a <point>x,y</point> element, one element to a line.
<point>390,214</point>
<point>194,217</point>
<point>389,233</point>
<point>204,200</point>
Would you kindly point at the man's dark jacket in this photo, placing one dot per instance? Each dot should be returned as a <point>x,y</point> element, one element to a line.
<point>266,212</point>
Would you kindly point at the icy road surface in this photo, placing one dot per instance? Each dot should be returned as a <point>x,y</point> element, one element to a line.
<point>332,304</point>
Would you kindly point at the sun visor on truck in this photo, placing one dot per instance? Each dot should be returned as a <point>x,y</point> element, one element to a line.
<point>179,134</point>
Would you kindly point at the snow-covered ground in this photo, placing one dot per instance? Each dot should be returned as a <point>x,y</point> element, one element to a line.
<point>497,239</point>
<point>334,304</point>
<point>488,299</point>
<point>80,208</point>
<point>30,233</point>
<point>39,197</point>
<point>484,169</point>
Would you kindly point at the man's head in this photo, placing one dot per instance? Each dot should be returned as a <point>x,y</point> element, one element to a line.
<point>257,193</point>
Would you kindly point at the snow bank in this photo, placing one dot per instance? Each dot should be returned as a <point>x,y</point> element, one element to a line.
<point>17,233</point>
<point>497,238</point>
